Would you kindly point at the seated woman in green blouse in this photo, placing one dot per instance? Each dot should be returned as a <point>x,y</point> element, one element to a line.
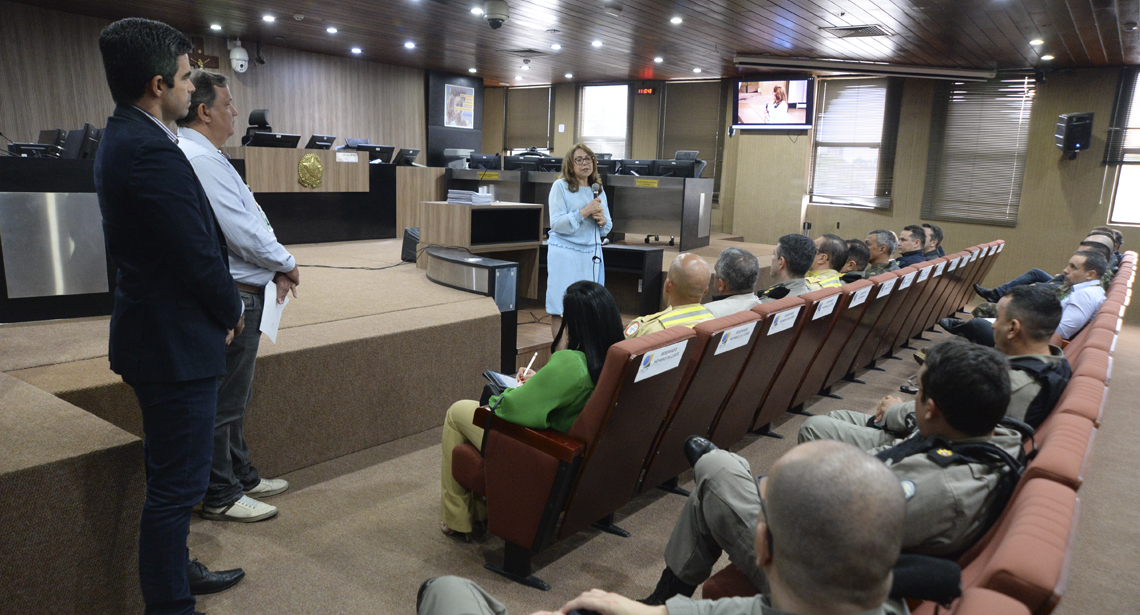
<point>551,398</point>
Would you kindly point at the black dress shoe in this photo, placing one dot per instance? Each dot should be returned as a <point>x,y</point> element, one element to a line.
<point>695,448</point>
<point>989,294</point>
<point>668,586</point>
<point>950,325</point>
<point>203,581</point>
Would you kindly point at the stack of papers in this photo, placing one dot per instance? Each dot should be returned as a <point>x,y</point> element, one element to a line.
<point>467,197</point>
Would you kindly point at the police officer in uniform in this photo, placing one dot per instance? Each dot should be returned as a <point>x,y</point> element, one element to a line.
<point>793,257</point>
<point>956,472</point>
<point>686,283</point>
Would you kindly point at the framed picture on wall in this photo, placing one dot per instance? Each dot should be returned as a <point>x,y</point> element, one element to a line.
<point>459,108</point>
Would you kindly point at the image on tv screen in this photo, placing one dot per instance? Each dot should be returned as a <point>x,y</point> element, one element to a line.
<point>784,102</point>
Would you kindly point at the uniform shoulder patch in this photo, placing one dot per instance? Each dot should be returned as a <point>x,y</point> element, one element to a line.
<point>632,328</point>
<point>908,489</point>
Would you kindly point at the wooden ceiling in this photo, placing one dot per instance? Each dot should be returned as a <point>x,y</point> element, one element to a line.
<point>448,37</point>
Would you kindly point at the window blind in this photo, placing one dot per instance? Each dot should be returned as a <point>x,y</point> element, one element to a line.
<point>854,142</point>
<point>692,121</point>
<point>979,134</point>
<point>603,118</point>
<point>528,118</point>
<point>1124,135</point>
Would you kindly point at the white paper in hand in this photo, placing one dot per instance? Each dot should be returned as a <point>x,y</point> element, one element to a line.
<point>271,313</point>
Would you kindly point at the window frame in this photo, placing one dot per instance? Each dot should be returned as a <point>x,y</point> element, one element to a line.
<point>579,137</point>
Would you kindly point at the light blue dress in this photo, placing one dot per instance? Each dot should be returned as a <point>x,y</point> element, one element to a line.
<point>574,242</point>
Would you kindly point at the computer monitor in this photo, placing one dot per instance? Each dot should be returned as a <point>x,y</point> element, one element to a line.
<point>350,143</point>
<point>675,168</point>
<point>521,163</point>
<point>406,157</point>
<point>607,166</point>
<point>605,156</point>
<point>35,150</point>
<point>320,142</point>
<point>52,137</point>
<point>383,153</point>
<point>91,138</point>
<point>72,144</point>
<point>550,164</point>
<point>636,167</point>
<point>485,162</point>
<point>273,139</point>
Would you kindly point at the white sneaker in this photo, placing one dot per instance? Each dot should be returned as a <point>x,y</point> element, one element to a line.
<point>245,510</point>
<point>268,487</point>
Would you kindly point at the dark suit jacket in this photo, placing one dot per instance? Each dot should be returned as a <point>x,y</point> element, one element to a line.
<point>175,297</point>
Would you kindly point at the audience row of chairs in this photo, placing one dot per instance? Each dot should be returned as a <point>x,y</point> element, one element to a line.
<point>1021,564</point>
<point>723,378</point>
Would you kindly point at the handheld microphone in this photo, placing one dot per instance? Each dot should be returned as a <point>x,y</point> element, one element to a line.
<point>597,189</point>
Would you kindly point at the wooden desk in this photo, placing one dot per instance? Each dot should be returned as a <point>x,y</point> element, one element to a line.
<point>507,231</point>
<point>274,169</point>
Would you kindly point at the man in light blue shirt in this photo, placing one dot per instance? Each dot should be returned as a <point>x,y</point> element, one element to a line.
<point>256,259</point>
<point>1082,275</point>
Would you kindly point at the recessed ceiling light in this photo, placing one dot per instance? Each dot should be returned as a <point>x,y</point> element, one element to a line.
<point>569,75</point>
<point>1036,41</point>
<point>1046,57</point>
<point>675,20</point>
<point>476,11</point>
<point>596,43</point>
<point>331,30</point>
<point>659,59</point>
<point>269,18</point>
<point>518,78</point>
<point>556,46</point>
<point>471,70</point>
<point>696,70</point>
<point>410,45</point>
<point>215,26</point>
<point>525,67</point>
<point>356,50</point>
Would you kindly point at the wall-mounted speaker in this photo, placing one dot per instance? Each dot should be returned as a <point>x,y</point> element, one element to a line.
<point>1074,132</point>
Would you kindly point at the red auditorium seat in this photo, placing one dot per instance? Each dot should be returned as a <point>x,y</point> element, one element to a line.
<point>876,300</point>
<point>933,310</point>
<point>866,354</point>
<point>853,302</point>
<point>1084,396</point>
<point>981,601</point>
<point>532,477</point>
<point>719,352</point>
<point>919,296</point>
<point>1064,443</point>
<point>781,321</point>
<point>903,299</point>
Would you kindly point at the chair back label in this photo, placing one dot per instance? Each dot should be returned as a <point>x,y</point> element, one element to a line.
<point>974,255</point>
<point>660,360</point>
<point>860,296</point>
<point>735,337</point>
<point>886,289</point>
<point>1001,246</point>
<point>825,307</point>
<point>938,270</point>
<point>784,320</point>
<point>907,280</point>
<point>954,263</point>
<point>925,273</point>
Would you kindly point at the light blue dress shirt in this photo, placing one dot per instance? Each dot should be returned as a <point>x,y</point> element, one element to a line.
<point>255,254</point>
<point>574,242</point>
<point>1079,307</point>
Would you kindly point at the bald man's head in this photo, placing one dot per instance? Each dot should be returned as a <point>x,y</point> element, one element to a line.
<point>1103,240</point>
<point>688,279</point>
<point>836,517</point>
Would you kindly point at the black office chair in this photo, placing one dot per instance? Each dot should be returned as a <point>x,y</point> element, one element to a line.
<point>691,154</point>
<point>258,122</point>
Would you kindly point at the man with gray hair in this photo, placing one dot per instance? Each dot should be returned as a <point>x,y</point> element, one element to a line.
<point>734,289</point>
<point>256,259</point>
<point>882,244</point>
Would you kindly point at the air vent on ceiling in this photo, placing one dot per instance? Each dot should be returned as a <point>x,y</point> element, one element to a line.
<point>854,31</point>
<point>525,53</point>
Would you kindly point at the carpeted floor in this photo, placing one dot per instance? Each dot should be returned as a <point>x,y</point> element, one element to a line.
<point>360,533</point>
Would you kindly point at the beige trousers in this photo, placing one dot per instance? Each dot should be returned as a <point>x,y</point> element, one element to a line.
<point>458,505</point>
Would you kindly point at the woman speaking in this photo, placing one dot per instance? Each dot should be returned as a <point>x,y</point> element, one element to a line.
<point>579,218</point>
<point>777,110</point>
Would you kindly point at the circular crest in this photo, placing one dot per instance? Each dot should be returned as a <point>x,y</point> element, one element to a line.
<point>310,170</point>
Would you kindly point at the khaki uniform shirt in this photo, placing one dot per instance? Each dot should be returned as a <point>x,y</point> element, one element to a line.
<point>752,605</point>
<point>795,287</point>
<point>875,269</point>
<point>686,315</point>
<point>1024,388</point>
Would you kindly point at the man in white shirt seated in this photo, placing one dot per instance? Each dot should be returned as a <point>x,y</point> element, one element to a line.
<point>734,289</point>
<point>256,258</point>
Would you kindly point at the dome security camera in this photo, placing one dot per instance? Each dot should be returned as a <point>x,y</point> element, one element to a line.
<point>239,58</point>
<point>496,13</point>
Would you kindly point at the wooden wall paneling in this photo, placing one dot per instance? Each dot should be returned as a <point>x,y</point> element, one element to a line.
<point>565,113</point>
<point>494,120</point>
<point>414,185</point>
<point>646,121</point>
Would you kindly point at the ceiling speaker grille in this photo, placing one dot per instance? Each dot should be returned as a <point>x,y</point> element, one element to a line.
<point>855,31</point>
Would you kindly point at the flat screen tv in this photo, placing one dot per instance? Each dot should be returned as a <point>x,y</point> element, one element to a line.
<point>771,103</point>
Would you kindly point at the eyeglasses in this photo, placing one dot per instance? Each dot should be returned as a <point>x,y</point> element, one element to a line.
<point>582,160</point>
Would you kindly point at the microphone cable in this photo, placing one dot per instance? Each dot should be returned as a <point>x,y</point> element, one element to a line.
<point>597,236</point>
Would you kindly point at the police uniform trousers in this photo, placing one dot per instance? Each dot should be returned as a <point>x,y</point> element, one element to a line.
<point>458,596</point>
<point>719,515</point>
<point>846,426</point>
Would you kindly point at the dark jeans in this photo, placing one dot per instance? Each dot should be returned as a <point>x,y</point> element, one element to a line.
<point>977,330</point>
<point>231,472</point>
<point>1033,276</point>
<point>178,421</point>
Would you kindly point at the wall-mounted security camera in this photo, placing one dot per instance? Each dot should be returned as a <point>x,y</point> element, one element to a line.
<point>496,13</point>
<point>239,57</point>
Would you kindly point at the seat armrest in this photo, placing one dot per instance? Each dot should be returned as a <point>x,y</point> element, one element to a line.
<point>556,444</point>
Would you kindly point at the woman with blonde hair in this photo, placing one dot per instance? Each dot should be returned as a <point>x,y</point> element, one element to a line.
<point>578,221</point>
<point>777,110</point>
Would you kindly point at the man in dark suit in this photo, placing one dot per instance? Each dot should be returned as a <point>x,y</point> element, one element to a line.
<point>176,305</point>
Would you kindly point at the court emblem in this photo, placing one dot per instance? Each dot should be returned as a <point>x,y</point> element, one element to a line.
<point>310,171</point>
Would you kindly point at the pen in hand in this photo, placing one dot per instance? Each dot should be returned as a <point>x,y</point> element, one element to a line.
<point>527,368</point>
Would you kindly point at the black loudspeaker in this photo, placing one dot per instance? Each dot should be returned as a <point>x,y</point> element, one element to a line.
<point>411,240</point>
<point>1074,132</point>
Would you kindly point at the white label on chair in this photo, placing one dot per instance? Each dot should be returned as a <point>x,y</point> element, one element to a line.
<point>886,288</point>
<point>860,297</point>
<point>907,280</point>
<point>825,307</point>
<point>939,268</point>
<point>661,360</point>
<point>1001,246</point>
<point>954,264</point>
<point>925,273</point>
<point>784,320</point>
<point>735,337</point>
<point>974,255</point>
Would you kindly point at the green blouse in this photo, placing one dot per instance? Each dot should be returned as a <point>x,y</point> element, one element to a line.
<point>553,397</point>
